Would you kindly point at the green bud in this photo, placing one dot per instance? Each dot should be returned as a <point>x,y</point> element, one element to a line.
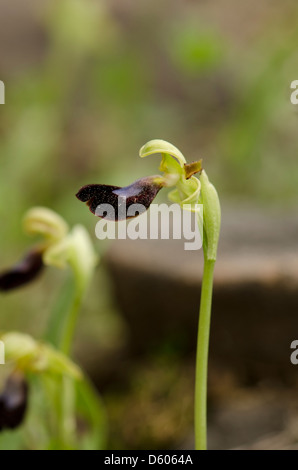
<point>212,217</point>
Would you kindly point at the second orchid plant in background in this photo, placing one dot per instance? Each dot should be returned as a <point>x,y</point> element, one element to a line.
<point>190,192</point>
<point>45,365</point>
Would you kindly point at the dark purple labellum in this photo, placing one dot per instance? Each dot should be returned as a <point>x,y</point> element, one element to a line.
<point>141,192</point>
<point>13,402</point>
<point>23,272</point>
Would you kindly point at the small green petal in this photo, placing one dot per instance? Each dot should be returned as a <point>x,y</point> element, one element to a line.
<point>45,222</point>
<point>190,189</point>
<point>82,256</point>
<point>174,196</point>
<point>170,165</point>
<point>30,355</point>
<point>57,254</point>
<point>187,192</point>
<point>76,250</point>
<point>163,147</point>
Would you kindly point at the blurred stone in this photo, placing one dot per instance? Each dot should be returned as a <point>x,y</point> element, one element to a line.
<point>254,319</point>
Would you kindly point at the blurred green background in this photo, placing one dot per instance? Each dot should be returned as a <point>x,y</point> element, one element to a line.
<point>88,82</point>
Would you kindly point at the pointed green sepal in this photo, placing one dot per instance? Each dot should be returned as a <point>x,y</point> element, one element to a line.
<point>212,217</point>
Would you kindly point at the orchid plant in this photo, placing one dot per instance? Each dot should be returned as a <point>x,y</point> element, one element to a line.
<point>60,382</point>
<point>190,192</point>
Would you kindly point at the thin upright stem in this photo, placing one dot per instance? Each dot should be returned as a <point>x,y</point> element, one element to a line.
<point>71,321</point>
<point>202,357</point>
<point>60,313</point>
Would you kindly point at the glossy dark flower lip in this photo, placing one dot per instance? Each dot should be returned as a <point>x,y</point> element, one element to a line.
<point>13,402</point>
<point>23,272</point>
<point>142,192</point>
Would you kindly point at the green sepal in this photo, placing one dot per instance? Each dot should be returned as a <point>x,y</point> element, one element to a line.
<point>212,217</point>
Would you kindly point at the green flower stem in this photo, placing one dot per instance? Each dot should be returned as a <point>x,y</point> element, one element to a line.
<point>60,313</point>
<point>67,437</point>
<point>202,357</point>
<point>71,321</point>
<point>66,400</point>
<point>64,317</point>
